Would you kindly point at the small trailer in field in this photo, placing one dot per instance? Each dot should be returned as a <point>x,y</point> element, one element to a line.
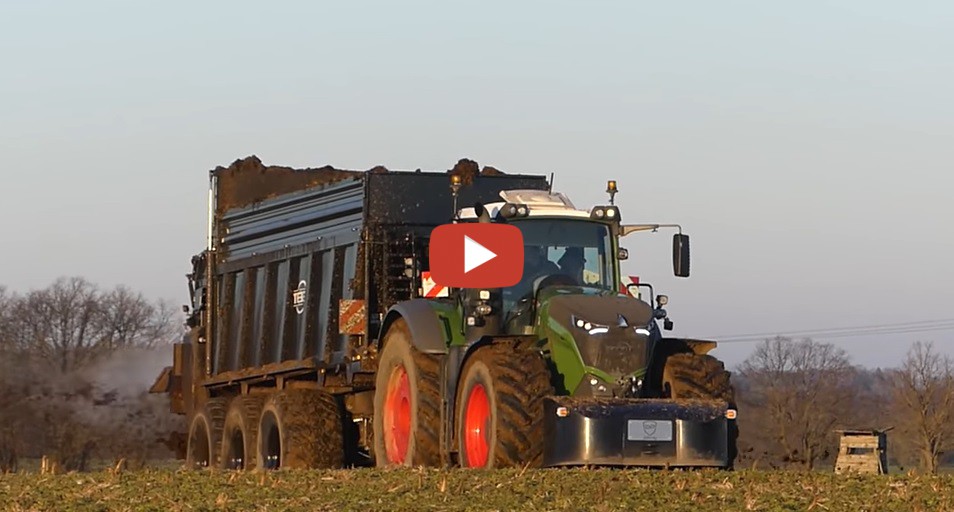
<point>862,451</point>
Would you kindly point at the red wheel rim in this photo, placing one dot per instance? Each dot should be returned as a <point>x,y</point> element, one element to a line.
<point>397,415</point>
<point>477,427</point>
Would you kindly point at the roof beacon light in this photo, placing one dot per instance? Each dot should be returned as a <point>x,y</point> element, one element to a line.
<point>611,190</point>
<point>455,189</point>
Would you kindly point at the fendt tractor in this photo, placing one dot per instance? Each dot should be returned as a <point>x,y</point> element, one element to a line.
<point>318,339</point>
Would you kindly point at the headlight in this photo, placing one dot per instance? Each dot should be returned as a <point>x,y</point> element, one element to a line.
<point>589,327</point>
<point>605,212</point>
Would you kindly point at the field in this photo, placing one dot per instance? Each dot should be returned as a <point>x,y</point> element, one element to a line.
<point>504,490</point>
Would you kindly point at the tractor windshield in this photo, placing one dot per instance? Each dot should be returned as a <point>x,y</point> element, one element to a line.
<point>571,252</point>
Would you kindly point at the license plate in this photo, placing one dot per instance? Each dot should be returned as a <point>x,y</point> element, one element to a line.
<point>649,430</point>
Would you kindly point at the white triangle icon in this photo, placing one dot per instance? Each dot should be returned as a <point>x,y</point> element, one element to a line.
<point>475,254</point>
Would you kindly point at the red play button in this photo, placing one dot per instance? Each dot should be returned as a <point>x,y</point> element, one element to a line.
<point>476,255</point>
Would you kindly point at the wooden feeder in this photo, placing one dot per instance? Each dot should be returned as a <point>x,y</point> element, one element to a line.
<point>862,451</point>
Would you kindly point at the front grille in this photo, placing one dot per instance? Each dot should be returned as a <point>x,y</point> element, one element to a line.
<point>618,352</point>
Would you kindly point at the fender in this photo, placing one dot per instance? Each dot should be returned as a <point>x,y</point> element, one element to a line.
<point>700,347</point>
<point>431,324</point>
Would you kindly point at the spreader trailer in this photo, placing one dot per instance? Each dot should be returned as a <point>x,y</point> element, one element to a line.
<point>318,337</point>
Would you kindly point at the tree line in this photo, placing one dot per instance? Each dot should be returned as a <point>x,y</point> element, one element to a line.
<point>793,394</point>
<point>75,364</point>
<point>76,361</point>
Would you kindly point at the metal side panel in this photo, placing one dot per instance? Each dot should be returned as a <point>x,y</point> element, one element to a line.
<point>293,219</point>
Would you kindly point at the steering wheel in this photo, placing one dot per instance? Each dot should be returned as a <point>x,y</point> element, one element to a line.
<point>525,303</point>
<point>554,280</point>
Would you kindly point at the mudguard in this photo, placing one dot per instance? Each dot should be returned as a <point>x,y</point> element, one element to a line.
<point>700,347</point>
<point>431,324</point>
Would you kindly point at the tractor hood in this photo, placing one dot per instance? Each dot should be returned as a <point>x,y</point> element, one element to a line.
<point>611,332</point>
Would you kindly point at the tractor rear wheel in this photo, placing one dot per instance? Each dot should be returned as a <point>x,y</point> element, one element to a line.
<point>701,376</point>
<point>205,434</point>
<point>500,406</point>
<point>240,433</point>
<point>407,402</point>
<point>300,429</point>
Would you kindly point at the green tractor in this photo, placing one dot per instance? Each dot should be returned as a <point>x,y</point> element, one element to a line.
<point>317,339</point>
<point>567,367</point>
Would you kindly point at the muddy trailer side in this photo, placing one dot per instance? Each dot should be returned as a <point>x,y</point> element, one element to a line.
<point>301,268</point>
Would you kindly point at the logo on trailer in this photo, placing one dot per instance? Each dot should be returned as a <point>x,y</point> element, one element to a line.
<point>298,297</point>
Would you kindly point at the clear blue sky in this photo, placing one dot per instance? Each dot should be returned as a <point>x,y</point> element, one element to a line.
<point>806,147</point>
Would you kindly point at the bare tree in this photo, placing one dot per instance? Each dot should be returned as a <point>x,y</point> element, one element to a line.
<point>801,388</point>
<point>71,323</point>
<point>5,320</point>
<point>923,397</point>
<point>61,322</point>
<point>72,370</point>
<point>127,319</point>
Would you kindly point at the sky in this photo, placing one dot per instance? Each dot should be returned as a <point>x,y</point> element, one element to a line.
<point>804,147</point>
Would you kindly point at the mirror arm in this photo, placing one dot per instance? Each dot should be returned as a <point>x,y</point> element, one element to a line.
<point>632,228</point>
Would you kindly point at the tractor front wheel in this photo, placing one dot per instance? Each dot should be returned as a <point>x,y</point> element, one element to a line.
<point>407,402</point>
<point>701,376</point>
<point>500,406</point>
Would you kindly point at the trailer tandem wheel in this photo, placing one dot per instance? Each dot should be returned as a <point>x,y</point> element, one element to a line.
<point>240,433</point>
<point>300,429</point>
<point>205,434</point>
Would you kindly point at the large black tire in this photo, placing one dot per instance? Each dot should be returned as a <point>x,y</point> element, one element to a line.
<point>701,376</point>
<point>300,429</point>
<point>509,381</point>
<point>407,399</point>
<point>240,432</point>
<point>205,434</point>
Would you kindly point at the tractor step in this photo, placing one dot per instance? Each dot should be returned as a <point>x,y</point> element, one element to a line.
<point>635,432</point>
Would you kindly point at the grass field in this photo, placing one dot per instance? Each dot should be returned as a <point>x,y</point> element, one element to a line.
<point>416,489</point>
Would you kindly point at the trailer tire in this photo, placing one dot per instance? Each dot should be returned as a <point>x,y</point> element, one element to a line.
<point>240,432</point>
<point>500,406</point>
<point>205,434</point>
<point>300,429</point>
<point>701,376</point>
<point>407,403</point>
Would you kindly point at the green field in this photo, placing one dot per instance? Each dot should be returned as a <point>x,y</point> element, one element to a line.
<point>416,489</point>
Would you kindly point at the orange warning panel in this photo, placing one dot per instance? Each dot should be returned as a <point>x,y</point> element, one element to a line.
<point>352,316</point>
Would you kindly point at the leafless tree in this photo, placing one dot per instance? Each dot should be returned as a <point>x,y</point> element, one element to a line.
<point>6,319</point>
<point>127,319</point>
<point>72,323</point>
<point>801,388</point>
<point>61,322</point>
<point>923,398</point>
<point>69,383</point>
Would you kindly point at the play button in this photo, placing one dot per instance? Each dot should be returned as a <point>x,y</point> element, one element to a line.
<point>475,254</point>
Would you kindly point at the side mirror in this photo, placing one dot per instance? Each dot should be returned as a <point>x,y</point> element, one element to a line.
<point>622,254</point>
<point>482,214</point>
<point>680,255</point>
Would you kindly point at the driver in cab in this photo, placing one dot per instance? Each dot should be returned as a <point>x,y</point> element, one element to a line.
<point>535,265</point>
